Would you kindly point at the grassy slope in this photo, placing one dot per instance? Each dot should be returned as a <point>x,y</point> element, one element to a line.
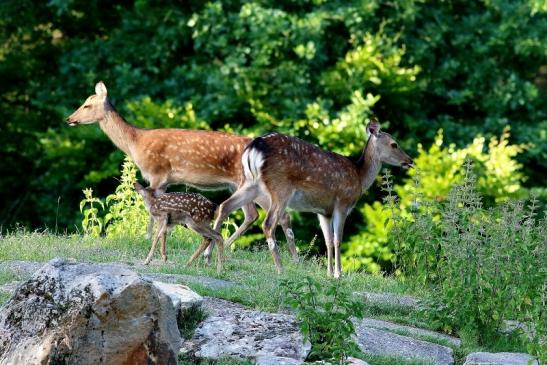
<point>254,270</point>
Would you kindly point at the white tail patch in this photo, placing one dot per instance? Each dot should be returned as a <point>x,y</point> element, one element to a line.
<point>252,161</point>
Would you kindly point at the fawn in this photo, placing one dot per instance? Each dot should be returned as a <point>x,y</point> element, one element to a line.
<point>192,209</point>
<point>299,175</point>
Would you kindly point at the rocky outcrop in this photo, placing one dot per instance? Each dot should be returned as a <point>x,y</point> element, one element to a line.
<point>378,342</point>
<point>235,331</point>
<point>411,331</point>
<point>499,358</point>
<point>87,314</point>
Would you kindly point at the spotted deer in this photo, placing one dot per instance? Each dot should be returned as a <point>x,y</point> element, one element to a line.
<point>203,159</point>
<point>299,175</point>
<point>191,209</point>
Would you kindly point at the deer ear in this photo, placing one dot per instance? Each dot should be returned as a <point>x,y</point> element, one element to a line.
<point>100,89</point>
<point>373,127</point>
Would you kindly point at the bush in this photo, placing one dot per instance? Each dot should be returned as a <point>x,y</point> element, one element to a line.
<point>324,313</point>
<point>485,264</point>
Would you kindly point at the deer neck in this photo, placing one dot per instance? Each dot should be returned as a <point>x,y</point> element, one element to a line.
<point>121,133</point>
<point>368,165</point>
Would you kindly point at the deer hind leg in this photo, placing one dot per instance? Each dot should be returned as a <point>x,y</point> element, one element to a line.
<point>243,196</point>
<point>210,237</point>
<point>251,215</point>
<point>326,227</point>
<point>273,216</point>
<point>285,223</point>
<point>161,231</point>
<point>204,244</point>
<point>338,221</point>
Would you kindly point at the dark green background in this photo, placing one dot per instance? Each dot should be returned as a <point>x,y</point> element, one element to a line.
<point>253,68</point>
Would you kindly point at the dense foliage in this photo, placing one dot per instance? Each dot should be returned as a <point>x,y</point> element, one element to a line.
<point>312,68</point>
<point>486,265</point>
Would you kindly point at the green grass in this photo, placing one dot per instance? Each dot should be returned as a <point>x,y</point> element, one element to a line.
<point>254,271</point>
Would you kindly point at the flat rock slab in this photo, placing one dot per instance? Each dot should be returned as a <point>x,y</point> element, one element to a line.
<point>9,288</point>
<point>498,358</point>
<point>412,331</point>
<point>209,282</point>
<point>21,267</point>
<point>389,299</point>
<point>379,342</point>
<point>236,331</point>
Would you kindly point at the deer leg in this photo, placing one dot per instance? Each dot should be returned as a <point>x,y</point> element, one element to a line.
<point>159,188</point>
<point>243,196</point>
<point>161,230</point>
<point>269,226</point>
<point>163,239</point>
<point>204,244</point>
<point>285,223</point>
<point>251,215</point>
<point>338,221</point>
<point>326,227</point>
<point>213,236</point>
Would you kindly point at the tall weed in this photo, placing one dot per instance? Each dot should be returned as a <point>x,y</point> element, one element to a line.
<point>487,265</point>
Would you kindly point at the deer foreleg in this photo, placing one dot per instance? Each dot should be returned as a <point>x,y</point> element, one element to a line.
<point>326,227</point>
<point>338,221</point>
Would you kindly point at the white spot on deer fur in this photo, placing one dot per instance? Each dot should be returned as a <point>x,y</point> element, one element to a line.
<point>271,244</point>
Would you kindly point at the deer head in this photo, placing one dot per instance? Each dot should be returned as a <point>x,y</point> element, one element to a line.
<point>146,193</point>
<point>92,110</point>
<point>385,148</point>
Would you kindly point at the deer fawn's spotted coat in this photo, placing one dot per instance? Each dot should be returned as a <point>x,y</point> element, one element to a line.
<point>191,209</point>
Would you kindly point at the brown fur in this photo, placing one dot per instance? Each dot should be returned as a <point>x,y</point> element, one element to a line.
<point>296,174</point>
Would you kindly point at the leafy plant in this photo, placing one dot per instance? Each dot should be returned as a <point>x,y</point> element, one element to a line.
<point>126,215</point>
<point>484,263</point>
<point>324,313</point>
<point>92,224</point>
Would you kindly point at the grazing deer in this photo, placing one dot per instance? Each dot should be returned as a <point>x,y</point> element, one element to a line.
<point>203,159</point>
<point>194,210</point>
<point>299,175</point>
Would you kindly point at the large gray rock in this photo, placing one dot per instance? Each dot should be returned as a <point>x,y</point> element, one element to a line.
<point>231,330</point>
<point>88,314</point>
<point>499,358</point>
<point>378,342</point>
<point>412,331</point>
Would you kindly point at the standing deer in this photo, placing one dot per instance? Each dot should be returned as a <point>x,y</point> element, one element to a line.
<point>299,175</point>
<point>203,159</point>
<point>191,209</point>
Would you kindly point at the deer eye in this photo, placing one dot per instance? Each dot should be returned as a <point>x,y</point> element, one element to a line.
<point>394,145</point>
<point>87,106</point>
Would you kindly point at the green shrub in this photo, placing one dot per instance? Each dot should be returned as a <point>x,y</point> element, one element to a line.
<point>486,265</point>
<point>324,313</point>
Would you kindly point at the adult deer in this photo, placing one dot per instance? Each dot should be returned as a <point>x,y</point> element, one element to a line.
<point>299,175</point>
<point>203,159</point>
